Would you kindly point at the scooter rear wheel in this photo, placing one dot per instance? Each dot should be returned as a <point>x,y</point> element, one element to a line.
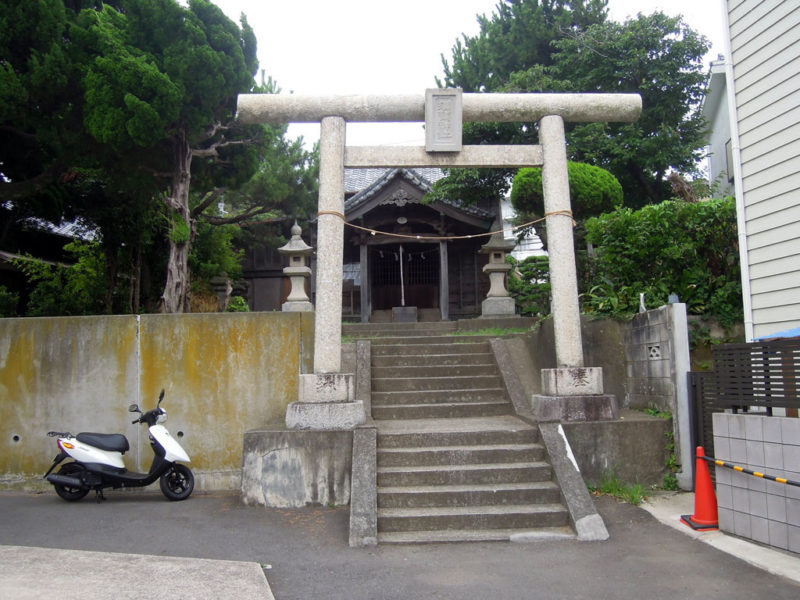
<point>177,483</point>
<point>71,494</point>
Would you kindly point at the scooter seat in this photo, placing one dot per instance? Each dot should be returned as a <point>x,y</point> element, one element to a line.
<point>113,442</point>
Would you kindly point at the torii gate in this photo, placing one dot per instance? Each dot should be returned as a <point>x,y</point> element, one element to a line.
<point>326,397</point>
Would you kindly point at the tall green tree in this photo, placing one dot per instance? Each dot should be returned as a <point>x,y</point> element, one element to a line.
<point>166,78</point>
<point>657,56</point>
<point>121,113</point>
<point>39,104</point>
<point>517,36</point>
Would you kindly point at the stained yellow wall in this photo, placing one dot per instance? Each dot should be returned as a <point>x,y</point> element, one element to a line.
<point>223,374</point>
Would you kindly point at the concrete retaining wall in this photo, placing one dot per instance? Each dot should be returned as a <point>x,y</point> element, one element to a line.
<point>223,374</point>
<point>291,468</point>
<point>644,364</point>
<point>633,448</point>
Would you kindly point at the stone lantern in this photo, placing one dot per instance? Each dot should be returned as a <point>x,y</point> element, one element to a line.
<point>297,271</point>
<point>498,302</point>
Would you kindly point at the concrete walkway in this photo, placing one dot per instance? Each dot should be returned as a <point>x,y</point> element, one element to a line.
<point>46,573</point>
<point>668,508</point>
<point>226,548</point>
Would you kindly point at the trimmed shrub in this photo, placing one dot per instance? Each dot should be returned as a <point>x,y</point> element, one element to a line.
<point>592,191</point>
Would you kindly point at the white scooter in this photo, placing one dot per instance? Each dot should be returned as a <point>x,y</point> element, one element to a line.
<point>97,461</point>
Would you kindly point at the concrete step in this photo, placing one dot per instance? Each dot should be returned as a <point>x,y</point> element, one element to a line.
<point>447,410</point>
<point>443,396</point>
<point>514,516</point>
<point>464,474</point>
<point>430,348</point>
<point>414,329</point>
<point>454,340</point>
<point>535,492</point>
<point>453,438</point>
<point>432,360</point>
<point>453,383</point>
<point>426,369</point>
<point>459,455</point>
<point>473,535</point>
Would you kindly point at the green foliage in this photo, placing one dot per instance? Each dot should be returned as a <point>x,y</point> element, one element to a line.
<point>470,186</point>
<point>660,58</point>
<point>213,252</point>
<point>516,36</point>
<point>611,485</point>
<point>529,285</point>
<point>8,302</point>
<point>77,289</point>
<point>674,247</point>
<point>108,110</point>
<point>180,232</point>
<point>238,304</point>
<point>532,46</point>
<point>654,411</point>
<point>592,191</point>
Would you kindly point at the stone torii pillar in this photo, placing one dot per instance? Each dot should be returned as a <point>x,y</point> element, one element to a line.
<point>326,396</point>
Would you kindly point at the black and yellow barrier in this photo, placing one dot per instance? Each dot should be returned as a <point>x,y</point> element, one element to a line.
<point>722,463</point>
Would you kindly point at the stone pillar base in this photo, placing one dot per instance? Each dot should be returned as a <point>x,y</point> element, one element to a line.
<point>572,381</point>
<point>598,407</point>
<point>335,416</point>
<point>498,306</point>
<point>326,387</point>
<point>302,306</point>
<point>326,401</point>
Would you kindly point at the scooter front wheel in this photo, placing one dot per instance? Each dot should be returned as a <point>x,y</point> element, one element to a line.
<point>69,493</point>
<point>177,483</point>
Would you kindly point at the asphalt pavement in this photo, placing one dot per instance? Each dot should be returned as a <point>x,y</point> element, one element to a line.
<point>139,545</point>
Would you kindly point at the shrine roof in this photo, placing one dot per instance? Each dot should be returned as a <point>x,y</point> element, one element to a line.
<point>367,183</point>
<point>357,180</point>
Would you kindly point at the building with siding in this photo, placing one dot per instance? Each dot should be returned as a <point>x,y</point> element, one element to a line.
<point>715,112</point>
<point>763,88</point>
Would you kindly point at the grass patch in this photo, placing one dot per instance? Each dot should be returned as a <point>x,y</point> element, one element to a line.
<point>610,485</point>
<point>657,412</point>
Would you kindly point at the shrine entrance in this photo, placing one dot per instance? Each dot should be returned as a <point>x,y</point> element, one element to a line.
<point>439,273</point>
<point>404,275</point>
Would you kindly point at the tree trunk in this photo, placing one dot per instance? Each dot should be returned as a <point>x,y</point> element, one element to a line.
<point>113,280</point>
<point>175,298</point>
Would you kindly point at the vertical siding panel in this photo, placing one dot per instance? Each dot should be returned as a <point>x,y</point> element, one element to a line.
<point>765,50</point>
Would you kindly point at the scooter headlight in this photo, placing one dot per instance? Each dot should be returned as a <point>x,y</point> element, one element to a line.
<point>162,416</point>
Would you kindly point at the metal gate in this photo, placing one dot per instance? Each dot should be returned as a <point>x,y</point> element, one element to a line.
<point>414,280</point>
<point>702,396</point>
<point>757,375</point>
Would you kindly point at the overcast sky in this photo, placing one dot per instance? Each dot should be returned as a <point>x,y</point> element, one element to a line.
<point>386,46</point>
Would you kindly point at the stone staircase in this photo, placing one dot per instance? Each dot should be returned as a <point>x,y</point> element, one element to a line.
<point>453,462</point>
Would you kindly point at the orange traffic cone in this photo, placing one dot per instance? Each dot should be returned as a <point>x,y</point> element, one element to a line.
<point>705,500</point>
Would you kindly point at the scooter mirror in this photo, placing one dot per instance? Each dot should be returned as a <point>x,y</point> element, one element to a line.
<point>161,396</point>
<point>134,408</point>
